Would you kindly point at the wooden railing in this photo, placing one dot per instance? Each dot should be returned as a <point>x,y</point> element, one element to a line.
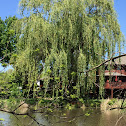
<point>115,85</point>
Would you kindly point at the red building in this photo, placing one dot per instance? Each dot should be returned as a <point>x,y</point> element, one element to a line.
<point>115,78</point>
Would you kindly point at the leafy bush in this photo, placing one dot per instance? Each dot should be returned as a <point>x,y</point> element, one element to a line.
<point>112,101</point>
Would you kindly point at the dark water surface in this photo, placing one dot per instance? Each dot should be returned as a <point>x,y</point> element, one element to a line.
<point>76,117</point>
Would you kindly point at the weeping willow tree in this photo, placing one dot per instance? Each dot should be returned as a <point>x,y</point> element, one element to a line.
<point>61,39</point>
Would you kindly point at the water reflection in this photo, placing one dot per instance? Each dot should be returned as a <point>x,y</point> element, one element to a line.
<point>62,117</point>
<point>6,118</point>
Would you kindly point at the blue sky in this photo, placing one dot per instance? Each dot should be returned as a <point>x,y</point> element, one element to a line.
<point>10,8</point>
<point>120,7</point>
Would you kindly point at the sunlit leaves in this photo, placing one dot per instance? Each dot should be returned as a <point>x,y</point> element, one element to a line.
<point>68,37</point>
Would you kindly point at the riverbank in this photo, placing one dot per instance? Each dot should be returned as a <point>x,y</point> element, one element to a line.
<point>22,106</point>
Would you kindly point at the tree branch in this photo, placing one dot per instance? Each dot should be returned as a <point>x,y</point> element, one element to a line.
<point>103,63</point>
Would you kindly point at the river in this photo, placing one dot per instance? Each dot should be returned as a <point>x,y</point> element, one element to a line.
<point>61,117</point>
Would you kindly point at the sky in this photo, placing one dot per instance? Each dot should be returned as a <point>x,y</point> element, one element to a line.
<point>120,7</point>
<point>10,8</point>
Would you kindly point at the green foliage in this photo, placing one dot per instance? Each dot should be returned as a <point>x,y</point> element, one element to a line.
<point>112,101</point>
<point>31,101</point>
<point>2,104</point>
<point>69,106</point>
<point>73,74</point>
<point>73,96</point>
<point>92,103</point>
<point>59,41</point>
<point>8,38</point>
<point>87,114</point>
<point>1,119</point>
<point>9,86</point>
<point>25,116</point>
<point>49,110</point>
<point>81,100</point>
<point>4,64</point>
<point>9,104</point>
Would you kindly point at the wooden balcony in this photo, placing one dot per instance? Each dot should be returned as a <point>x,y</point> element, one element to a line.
<point>115,85</point>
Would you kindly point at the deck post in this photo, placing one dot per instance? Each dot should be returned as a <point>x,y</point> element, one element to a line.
<point>111,92</point>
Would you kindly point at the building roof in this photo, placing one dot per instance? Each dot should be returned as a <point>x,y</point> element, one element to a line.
<point>121,60</point>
